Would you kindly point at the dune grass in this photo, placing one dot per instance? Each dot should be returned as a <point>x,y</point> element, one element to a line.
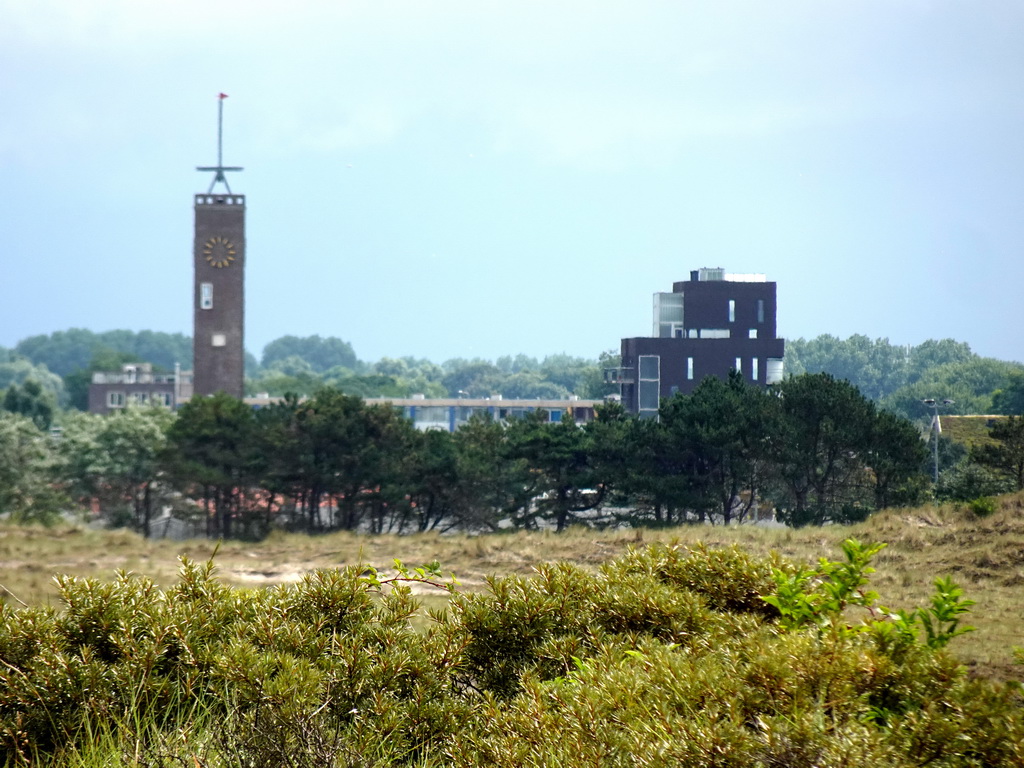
<point>984,555</point>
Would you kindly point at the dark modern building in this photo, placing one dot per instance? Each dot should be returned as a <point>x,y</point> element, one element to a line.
<point>708,325</point>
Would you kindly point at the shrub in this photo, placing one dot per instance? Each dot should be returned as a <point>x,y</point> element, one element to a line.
<point>983,506</point>
<point>663,657</point>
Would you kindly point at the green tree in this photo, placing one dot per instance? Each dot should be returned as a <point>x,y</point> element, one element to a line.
<point>370,385</point>
<point>293,365</point>
<point>566,371</point>
<point>969,384</point>
<point>276,384</point>
<point>1006,454</point>
<point>64,352</point>
<point>969,480</point>
<point>1009,400</point>
<point>656,479</point>
<point>320,353</point>
<point>15,369</point>
<point>934,353</point>
<point>210,452</point>
<point>876,367</point>
<point>896,455</point>
<point>32,401</point>
<point>826,428</point>
<point>118,460</point>
<point>492,485</point>
<point>724,429</point>
<point>431,481</point>
<point>559,456</point>
<point>29,491</point>
<point>477,378</point>
<point>389,366</point>
<point>287,374</point>
<point>591,384</point>
<point>530,385</point>
<point>333,451</point>
<point>517,364</point>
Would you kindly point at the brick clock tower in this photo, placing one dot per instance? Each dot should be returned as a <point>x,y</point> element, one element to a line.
<point>218,256</point>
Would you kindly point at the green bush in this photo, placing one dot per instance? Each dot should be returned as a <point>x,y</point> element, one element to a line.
<point>983,506</point>
<point>666,656</point>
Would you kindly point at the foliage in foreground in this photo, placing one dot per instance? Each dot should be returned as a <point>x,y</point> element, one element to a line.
<point>666,656</point>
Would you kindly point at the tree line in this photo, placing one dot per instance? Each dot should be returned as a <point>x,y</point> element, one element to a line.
<point>809,451</point>
<point>62,364</point>
<point>897,377</point>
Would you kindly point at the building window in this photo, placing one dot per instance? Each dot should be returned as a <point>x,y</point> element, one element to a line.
<point>649,395</point>
<point>760,310</point>
<point>732,310</point>
<point>206,295</point>
<point>140,398</point>
<point>689,369</point>
<point>162,398</point>
<point>739,364</point>
<point>650,367</point>
<point>649,384</point>
<point>219,340</point>
<point>115,399</point>
<point>753,369</point>
<point>752,333</point>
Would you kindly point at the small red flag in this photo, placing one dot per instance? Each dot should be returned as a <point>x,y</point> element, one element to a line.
<point>223,95</point>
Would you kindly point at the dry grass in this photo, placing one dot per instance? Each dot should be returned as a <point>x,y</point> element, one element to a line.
<point>985,556</point>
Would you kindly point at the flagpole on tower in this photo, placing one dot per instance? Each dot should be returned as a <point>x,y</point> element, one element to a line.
<point>220,168</point>
<point>220,129</point>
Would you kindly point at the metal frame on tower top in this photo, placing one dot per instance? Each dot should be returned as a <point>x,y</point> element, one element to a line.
<point>219,169</point>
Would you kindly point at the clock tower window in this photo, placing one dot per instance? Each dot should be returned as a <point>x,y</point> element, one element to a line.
<point>206,295</point>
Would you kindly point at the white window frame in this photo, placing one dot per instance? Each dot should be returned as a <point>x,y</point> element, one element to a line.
<point>115,399</point>
<point>206,295</point>
<point>732,310</point>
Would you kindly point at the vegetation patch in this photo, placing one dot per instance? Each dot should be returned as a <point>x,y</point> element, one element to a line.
<point>666,655</point>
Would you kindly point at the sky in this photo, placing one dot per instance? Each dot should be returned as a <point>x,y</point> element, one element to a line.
<point>456,178</point>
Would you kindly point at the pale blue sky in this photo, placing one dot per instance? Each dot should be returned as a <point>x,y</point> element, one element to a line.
<point>483,178</point>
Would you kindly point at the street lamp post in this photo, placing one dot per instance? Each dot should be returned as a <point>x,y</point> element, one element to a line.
<point>936,428</point>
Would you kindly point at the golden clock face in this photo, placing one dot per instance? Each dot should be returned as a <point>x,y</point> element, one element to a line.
<point>219,252</point>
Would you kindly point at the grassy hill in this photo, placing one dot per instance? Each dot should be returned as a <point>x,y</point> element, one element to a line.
<point>969,431</point>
